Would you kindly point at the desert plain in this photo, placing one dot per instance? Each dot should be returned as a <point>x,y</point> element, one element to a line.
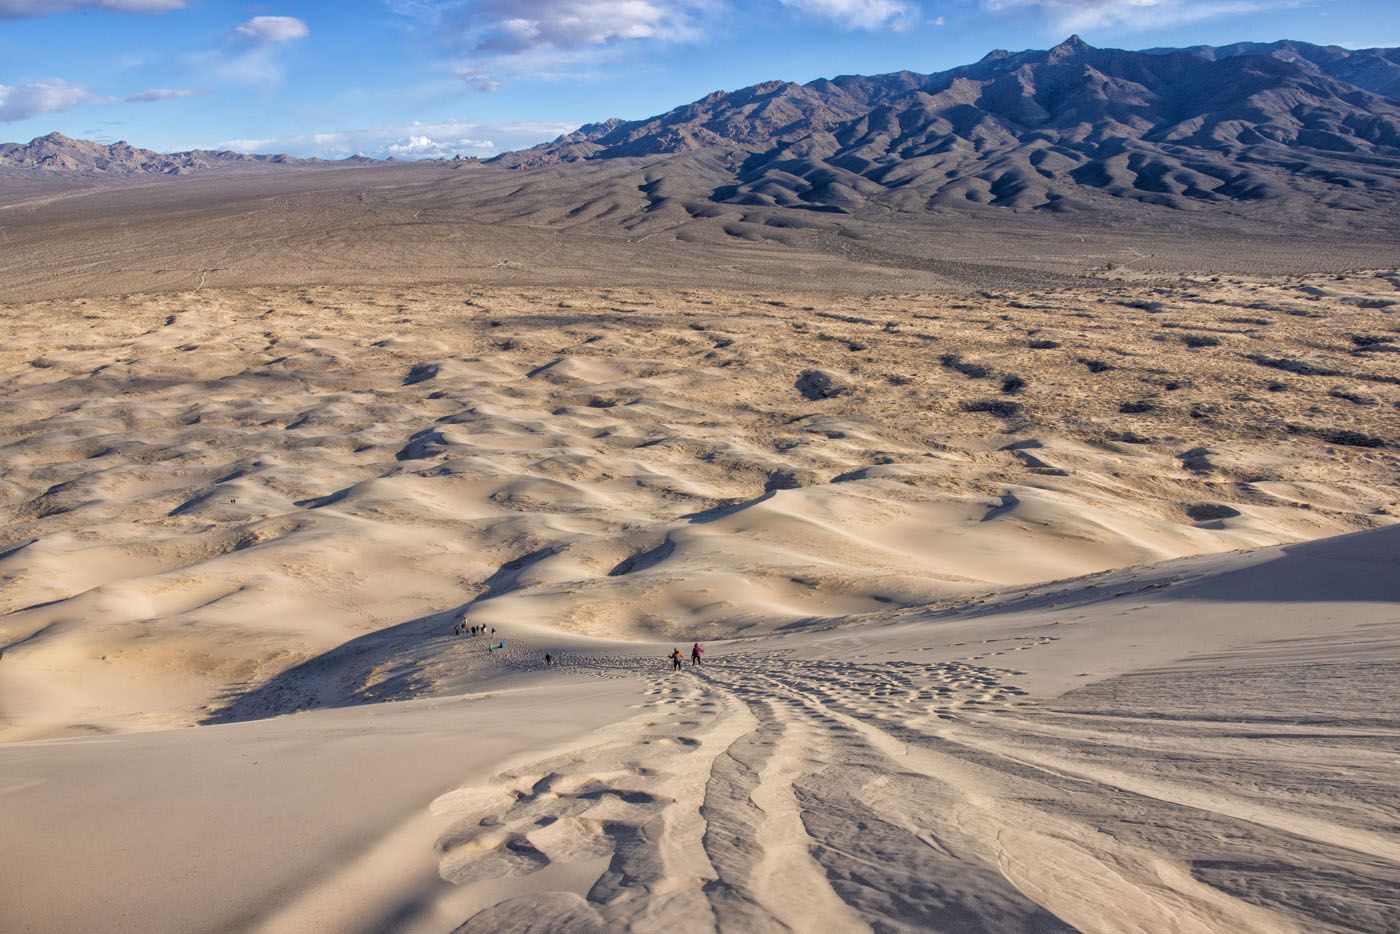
<point>1046,569</point>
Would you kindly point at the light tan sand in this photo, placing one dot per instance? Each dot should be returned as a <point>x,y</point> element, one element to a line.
<point>229,504</point>
<point>1224,759</point>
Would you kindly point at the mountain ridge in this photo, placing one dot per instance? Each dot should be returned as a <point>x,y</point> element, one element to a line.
<point>1070,128</point>
<point>55,153</point>
<point>848,95</point>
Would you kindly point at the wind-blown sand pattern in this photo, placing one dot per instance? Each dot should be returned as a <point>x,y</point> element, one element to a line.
<point>226,505</point>
<point>224,469</point>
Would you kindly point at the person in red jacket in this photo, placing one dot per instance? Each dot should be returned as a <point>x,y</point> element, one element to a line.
<point>695,653</point>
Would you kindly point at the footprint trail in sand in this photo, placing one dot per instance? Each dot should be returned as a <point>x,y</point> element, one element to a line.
<point>768,793</point>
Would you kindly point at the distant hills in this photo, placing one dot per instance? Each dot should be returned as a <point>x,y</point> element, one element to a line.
<point>56,153</point>
<point>1056,130</point>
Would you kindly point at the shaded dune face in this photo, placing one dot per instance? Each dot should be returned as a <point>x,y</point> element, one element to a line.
<point>205,491</point>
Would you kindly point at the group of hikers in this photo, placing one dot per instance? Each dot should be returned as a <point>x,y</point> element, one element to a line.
<point>677,658</point>
<point>463,629</point>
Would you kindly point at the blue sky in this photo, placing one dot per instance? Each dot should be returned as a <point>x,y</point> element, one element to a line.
<point>425,78</point>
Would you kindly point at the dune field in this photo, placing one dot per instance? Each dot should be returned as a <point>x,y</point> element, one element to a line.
<point>226,505</point>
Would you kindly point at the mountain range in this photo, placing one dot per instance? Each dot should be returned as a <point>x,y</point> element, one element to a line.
<point>1306,129</point>
<point>56,153</point>
<point>1053,130</point>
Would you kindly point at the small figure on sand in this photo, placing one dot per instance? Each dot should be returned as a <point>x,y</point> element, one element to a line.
<point>675,659</point>
<point>695,653</point>
<point>548,660</point>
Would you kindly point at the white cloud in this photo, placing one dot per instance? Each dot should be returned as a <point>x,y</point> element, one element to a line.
<point>22,9</point>
<point>425,147</point>
<point>511,26</point>
<point>479,80</point>
<point>546,63</point>
<point>273,29</point>
<point>440,140</point>
<point>859,14</point>
<point>1131,15</point>
<point>549,39</point>
<point>22,101</point>
<point>555,39</point>
<point>160,94</point>
<point>426,11</point>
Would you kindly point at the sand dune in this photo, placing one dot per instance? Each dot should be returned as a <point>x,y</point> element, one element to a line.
<point>204,491</point>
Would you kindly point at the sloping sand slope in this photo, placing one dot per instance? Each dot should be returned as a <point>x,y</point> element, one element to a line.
<point>1204,745</point>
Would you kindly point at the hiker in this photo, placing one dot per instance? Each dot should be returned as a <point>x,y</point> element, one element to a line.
<point>548,659</point>
<point>675,659</point>
<point>695,653</point>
